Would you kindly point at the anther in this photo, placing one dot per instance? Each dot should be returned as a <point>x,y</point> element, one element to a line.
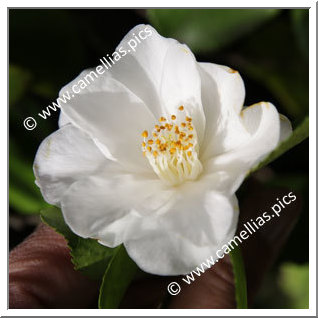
<point>189,119</point>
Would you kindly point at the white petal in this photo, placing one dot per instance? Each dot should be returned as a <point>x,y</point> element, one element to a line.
<point>163,73</point>
<point>261,121</point>
<point>106,206</point>
<point>230,86</point>
<point>223,95</point>
<point>114,207</point>
<point>181,85</point>
<point>88,81</point>
<point>170,251</point>
<point>141,70</point>
<point>285,128</point>
<point>115,118</point>
<point>64,157</point>
<point>209,213</point>
<point>162,253</point>
<point>63,119</point>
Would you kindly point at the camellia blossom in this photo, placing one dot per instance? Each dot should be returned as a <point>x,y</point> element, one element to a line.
<point>152,152</point>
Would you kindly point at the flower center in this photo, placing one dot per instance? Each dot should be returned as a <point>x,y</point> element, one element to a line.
<point>172,149</point>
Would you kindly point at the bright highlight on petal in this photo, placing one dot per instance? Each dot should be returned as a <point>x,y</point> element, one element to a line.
<point>173,149</point>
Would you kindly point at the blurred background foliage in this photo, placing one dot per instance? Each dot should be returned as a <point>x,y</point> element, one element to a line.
<point>48,48</point>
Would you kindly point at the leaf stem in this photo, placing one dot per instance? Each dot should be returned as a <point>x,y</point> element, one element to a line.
<point>239,278</point>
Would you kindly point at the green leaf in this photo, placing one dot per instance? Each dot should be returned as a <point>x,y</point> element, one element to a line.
<point>44,89</point>
<point>273,59</point>
<point>298,135</point>
<point>24,196</point>
<point>300,20</point>
<point>294,281</point>
<point>206,30</point>
<point>118,276</point>
<point>18,81</point>
<point>23,202</point>
<point>290,87</point>
<point>22,171</point>
<point>88,255</point>
<point>239,278</point>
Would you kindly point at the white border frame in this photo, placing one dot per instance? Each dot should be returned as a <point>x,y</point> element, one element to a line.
<point>312,156</point>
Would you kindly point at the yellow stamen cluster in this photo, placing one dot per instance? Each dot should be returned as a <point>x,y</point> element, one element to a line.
<point>169,137</point>
<point>172,148</point>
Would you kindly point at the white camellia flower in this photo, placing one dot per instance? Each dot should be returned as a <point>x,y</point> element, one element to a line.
<point>151,153</point>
